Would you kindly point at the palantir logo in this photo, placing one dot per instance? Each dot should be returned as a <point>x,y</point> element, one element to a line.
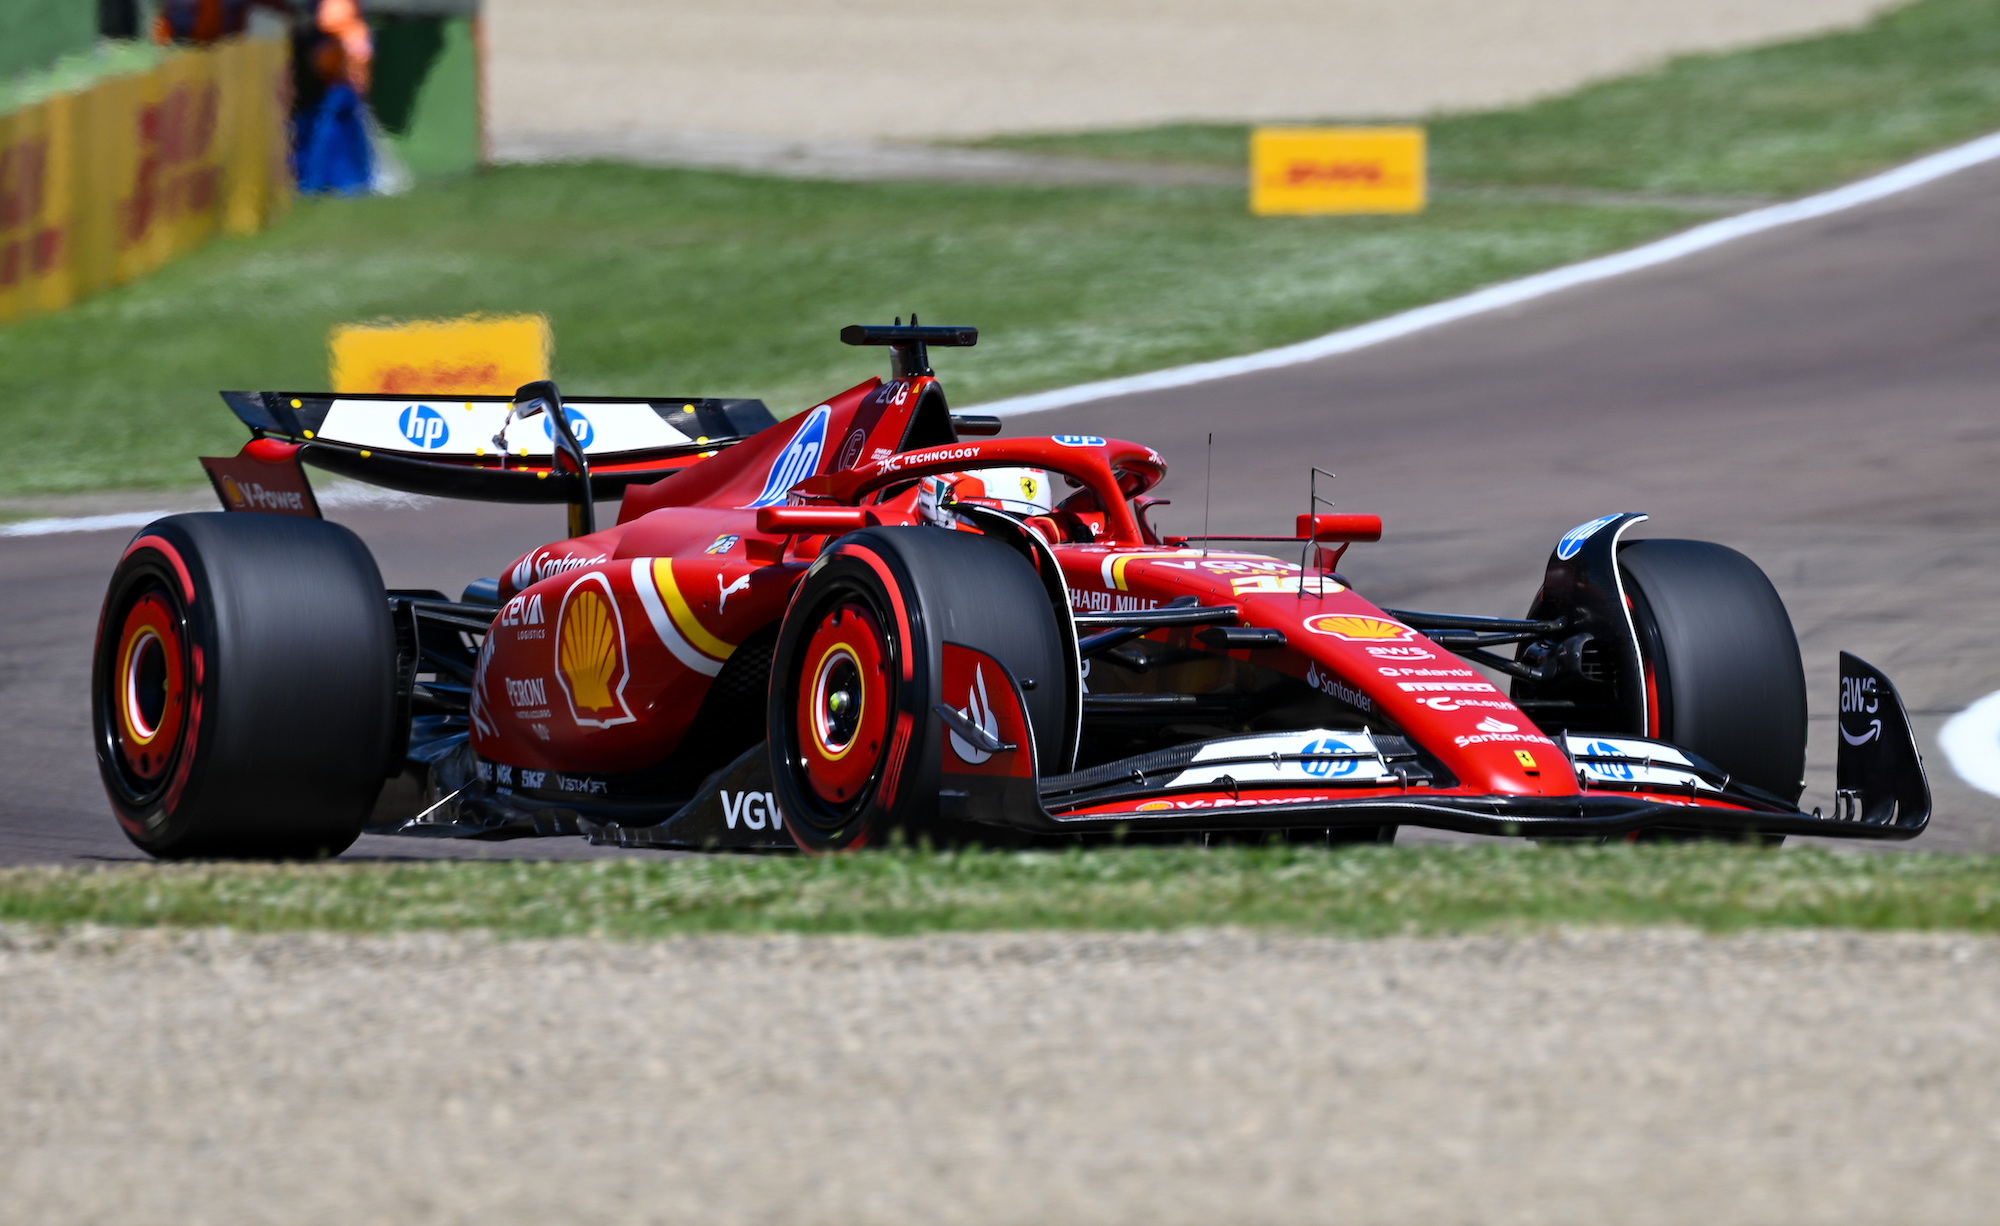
<point>424,426</point>
<point>579,425</point>
<point>799,460</point>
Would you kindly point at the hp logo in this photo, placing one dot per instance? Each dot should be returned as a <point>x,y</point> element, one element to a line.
<point>1613,770</point>
<point>424,427</point>
<point>579,425</point>
<point>1320,768</point>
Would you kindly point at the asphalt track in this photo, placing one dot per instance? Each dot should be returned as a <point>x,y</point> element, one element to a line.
<point>1822,397</point>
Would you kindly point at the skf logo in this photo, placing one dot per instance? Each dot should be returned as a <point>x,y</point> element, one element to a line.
<point>1354,628</point>
<point>590,654</point>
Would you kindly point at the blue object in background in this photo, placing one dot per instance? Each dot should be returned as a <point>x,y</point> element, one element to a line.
<point>334,155</point>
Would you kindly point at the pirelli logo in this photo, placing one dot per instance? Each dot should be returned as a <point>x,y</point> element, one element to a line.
<point>1336,170</point>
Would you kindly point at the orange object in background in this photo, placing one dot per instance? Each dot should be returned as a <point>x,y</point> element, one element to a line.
<point>475,356</point>
<point>1336,170</point>
<point>342,20</point>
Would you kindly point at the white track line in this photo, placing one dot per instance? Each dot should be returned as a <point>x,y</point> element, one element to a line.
<point>337,496</point>
<point>1971,739</point>
<point>1512,293</point>
<point>82,523</point>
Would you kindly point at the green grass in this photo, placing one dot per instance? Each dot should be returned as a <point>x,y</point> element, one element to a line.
<point>1776,120</point>
<point>1356,892</point>
<point>683,283</point>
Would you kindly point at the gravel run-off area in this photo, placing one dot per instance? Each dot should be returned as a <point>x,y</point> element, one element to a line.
<point>1649,1076</point>
<point>851,70</point>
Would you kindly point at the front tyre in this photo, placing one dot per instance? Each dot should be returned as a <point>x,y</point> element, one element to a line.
<point>857,675</point>
<point>1723,674</point>
<point>243,687</point>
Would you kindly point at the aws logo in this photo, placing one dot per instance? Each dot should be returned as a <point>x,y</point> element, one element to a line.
<point>591,663</point>
<point>799,459</point>
<point>1355,628</point>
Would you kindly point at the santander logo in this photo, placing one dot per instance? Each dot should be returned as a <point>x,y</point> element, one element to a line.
<point>1490,724</point>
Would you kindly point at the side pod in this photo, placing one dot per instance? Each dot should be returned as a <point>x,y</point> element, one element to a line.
<point>1879,774</point>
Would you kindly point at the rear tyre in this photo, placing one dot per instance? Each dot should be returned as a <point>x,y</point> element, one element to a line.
<point>243,687</point>
<point>855,749</point>
<point>1723,674</point>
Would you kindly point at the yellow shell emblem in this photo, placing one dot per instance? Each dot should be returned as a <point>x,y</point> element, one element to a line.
<point>1358,629</point>
<point>232,491</point>
<point>588,653</point>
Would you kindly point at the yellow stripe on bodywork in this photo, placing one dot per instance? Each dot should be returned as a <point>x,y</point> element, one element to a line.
<point>684,618</point>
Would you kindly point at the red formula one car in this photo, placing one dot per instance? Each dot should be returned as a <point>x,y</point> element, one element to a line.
<point>876,616</point>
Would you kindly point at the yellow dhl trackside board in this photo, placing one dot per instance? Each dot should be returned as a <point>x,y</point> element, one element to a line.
<point>475,356</point>
<point>1336,170</point>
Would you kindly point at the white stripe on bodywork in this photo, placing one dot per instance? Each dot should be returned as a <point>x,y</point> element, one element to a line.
<point>663,625</point>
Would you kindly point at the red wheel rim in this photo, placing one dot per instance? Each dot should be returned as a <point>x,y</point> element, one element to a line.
<point>148,690</point>
<point>843,703</point>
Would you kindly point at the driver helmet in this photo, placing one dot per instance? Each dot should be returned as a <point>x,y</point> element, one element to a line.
<point>1017,491</point>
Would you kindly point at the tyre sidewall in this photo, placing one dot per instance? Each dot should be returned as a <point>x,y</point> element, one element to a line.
<point>290,656</point>
<point>1725,659</point>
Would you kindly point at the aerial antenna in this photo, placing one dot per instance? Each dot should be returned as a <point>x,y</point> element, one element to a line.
<point>1207,493</point>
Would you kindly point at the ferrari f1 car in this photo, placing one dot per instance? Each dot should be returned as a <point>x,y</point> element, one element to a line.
<point>878,616</point>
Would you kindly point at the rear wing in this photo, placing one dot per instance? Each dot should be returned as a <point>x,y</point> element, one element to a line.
<point>455,446</point>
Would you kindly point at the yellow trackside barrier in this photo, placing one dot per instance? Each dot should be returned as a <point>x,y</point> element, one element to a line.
<point>1336,170</point>
<point>107,184</point>
<point>474,356</point>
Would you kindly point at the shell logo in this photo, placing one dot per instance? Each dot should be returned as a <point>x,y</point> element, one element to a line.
<point>233,492</point>
<point>590,654</point>
<point>1152,806</point>
<point>1358,629</point>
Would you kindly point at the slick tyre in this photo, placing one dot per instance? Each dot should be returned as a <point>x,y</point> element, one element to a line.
<point>1723,673</point>
<point>856,675</point>
<point>243,687</point>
